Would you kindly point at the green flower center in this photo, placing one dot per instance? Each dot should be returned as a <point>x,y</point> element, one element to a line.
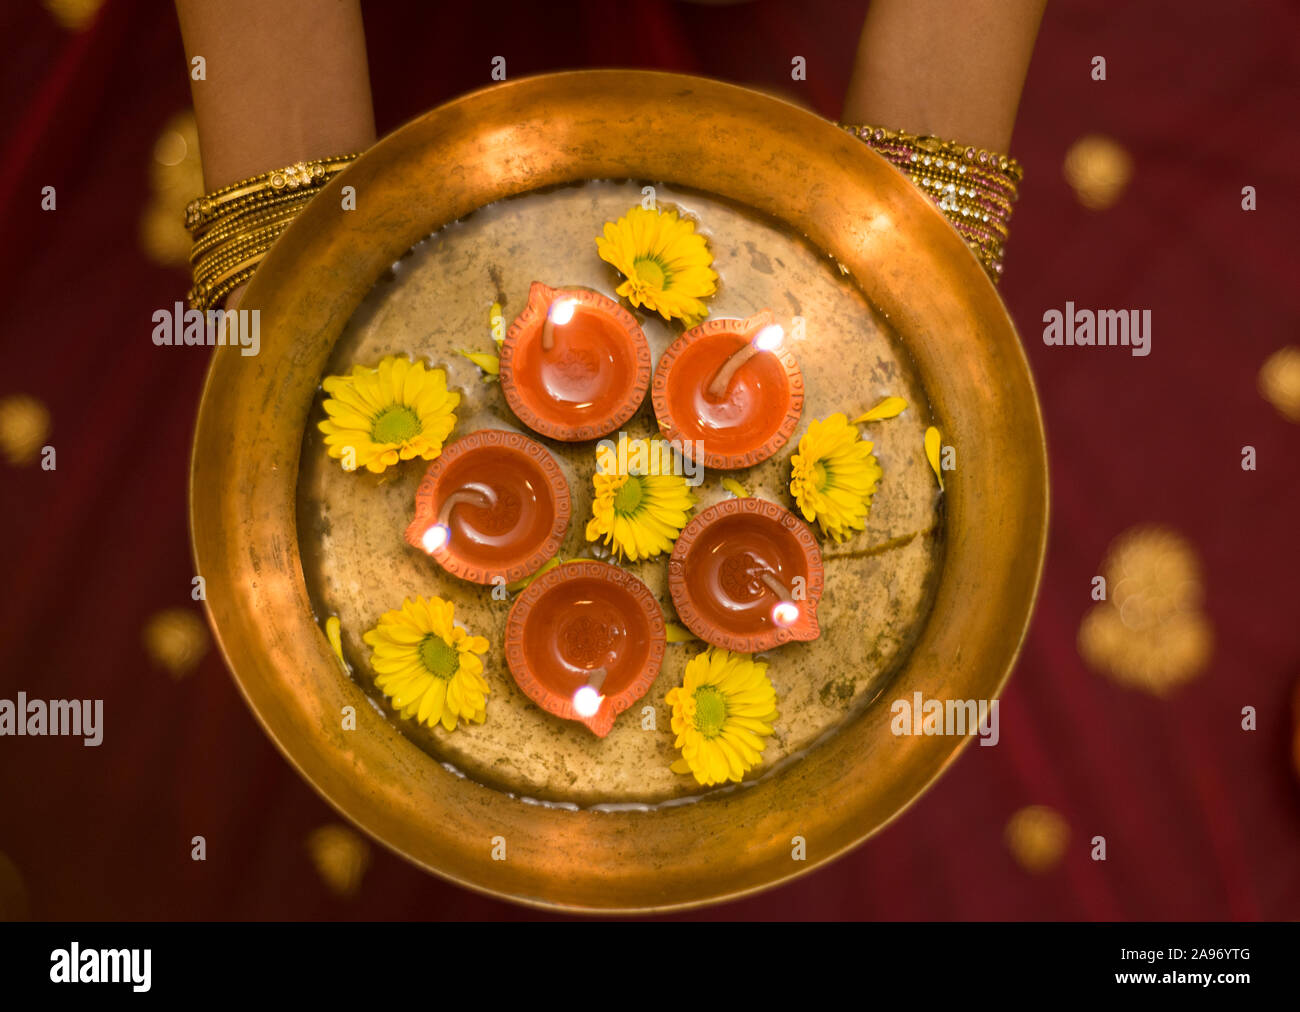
<point>396,424</point>
<point>627,499</point>
<point>652,273</point>
<point>710,711</point>
<point>440,658</point>
<point>821,476</point>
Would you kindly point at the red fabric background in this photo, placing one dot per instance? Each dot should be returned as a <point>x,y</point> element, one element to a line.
<point>1202,819</point>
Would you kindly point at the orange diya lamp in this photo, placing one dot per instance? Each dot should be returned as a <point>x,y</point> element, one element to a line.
<point>747,575</point>
<point>575,365</point>
<point>584,641</point>
<point>493,504</point>
<point>731,389</point>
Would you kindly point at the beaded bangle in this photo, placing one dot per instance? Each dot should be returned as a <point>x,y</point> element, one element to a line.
<point>974,188</point>
<point>234,227</point>
<point>303,175</point>
<point>252,222</point>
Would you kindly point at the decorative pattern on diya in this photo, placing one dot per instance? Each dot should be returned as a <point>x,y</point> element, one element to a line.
<point>1150,632</point>
<point>1099,170</point>
<point>747,417</point>
<point>493,504</point>
<point>574,365</point>
<point>746,575</point>
<point>585,624</point>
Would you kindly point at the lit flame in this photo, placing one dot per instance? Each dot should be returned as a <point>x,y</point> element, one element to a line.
<point>586,701</point>
<point>785,614</point>
<point>561,311</point>
<point>769,338</point>
<point>436,537</point>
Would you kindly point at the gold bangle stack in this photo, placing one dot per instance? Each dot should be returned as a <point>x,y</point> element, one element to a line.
<point>235,226</point>
<point>974,188</point>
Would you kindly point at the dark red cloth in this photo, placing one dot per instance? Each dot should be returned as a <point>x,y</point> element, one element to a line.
<point>1202,818</point>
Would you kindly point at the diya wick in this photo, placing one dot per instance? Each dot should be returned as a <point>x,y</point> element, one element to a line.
<point>775,586</point>
<point>767,339</point>
<point>475,493</point>
<point>560,312</point>
<point>785,612</point>
<point>587,699</point>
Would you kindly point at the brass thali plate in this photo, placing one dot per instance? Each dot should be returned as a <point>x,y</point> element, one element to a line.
<point>467,205</point>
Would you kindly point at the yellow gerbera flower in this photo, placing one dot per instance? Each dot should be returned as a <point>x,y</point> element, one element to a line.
<point>396,411</point>
<point>722,714</point>
<point>666,263</point>
<point>834,476</point>
<point>641,505</point>
<point>427,665</point>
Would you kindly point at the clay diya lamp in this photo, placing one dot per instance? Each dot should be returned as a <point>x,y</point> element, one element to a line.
<point>731,389</point>
<point>493,504</point>
<point>747,575</point>
<point>575,365</point>
<point>584,641</point>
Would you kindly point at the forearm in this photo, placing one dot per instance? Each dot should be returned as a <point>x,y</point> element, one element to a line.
<point>950,68</point>
<point>286,81</point>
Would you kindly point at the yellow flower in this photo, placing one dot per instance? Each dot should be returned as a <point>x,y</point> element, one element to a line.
<point>396,411</point>
<point>427,665</point>
<point>890,407</point>
<point>334,633</point>
<point>834,476</point>
<point>490,364</point>
<point>641,505</point>
<point>722,714</point>
<point>667,265</point>
<point>932,441</point>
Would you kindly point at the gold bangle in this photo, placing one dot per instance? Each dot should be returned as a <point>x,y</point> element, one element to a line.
<point>210,275</point>
<point>301,175</point>
<point>233,252</point>
<point>234,227</point>
<point>256,221</point>
<point>249,204</point>
<point>217,268</point>
<point>206,297</point>
<point>973,187</point>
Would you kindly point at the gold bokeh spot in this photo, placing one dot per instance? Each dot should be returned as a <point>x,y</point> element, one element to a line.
<point>1099,170</point>
<point>176,640</point>
<point>24,427</point>
<point>341,857</point>
<point>1037,836</point>
<point>1150,632</point>
<point>73,15</point>
<point>176,178</point>
<point>1279,381</point>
